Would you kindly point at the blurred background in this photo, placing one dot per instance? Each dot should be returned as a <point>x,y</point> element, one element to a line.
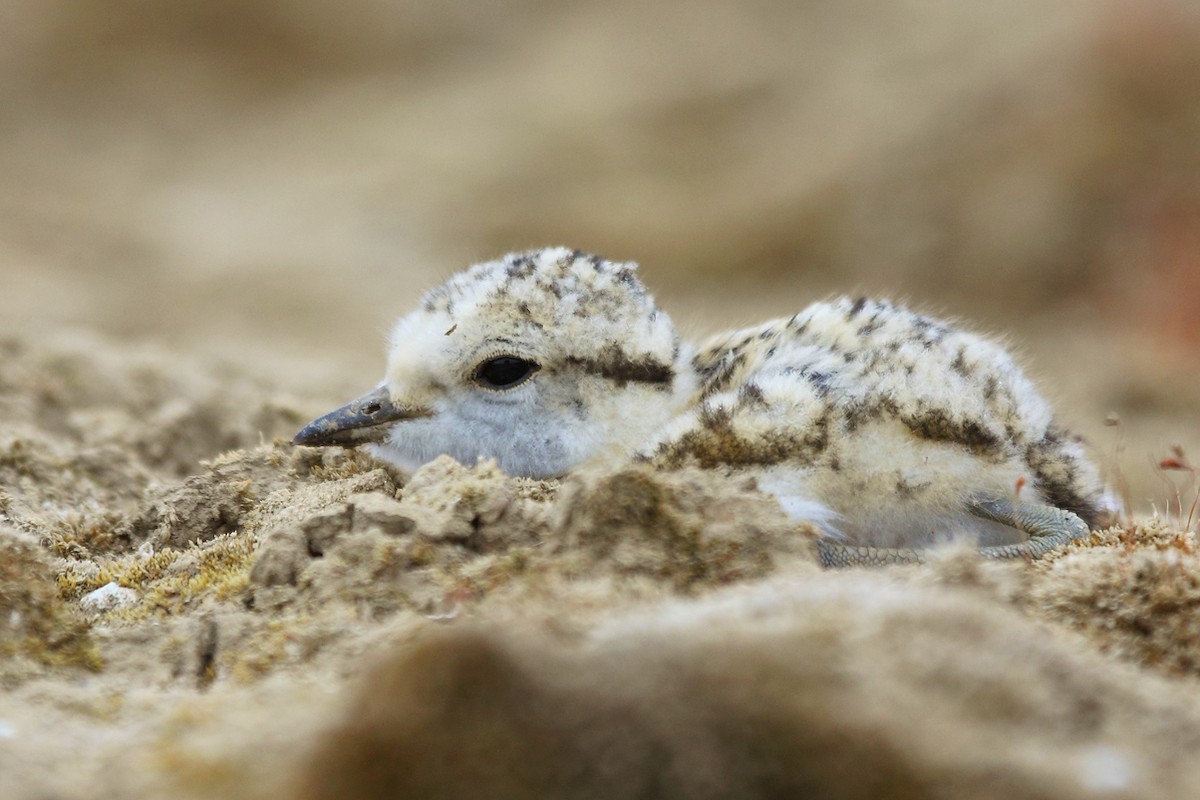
<point>271,183</point>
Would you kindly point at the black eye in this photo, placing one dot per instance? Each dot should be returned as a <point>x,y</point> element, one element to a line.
<point>504,372</point>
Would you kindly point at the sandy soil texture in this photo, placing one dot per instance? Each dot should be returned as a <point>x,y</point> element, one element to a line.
<point>211,210</point>
<point>283,619</point>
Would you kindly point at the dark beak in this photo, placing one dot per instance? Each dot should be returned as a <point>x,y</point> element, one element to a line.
<point>358,422</point>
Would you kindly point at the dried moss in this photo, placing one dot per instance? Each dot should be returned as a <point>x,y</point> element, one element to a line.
<point>170,582</point>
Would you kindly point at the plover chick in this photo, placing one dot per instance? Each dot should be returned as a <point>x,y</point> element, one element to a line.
<point>887,429</point>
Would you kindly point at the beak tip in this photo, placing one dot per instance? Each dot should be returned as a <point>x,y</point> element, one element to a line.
<point>304,436</point>
<point>324,433</point>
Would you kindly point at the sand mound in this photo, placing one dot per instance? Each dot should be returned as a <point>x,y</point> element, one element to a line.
<point>850,686</point>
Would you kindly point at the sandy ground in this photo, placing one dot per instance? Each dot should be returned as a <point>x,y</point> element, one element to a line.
<point>277,619</point>
<point>209,214</point>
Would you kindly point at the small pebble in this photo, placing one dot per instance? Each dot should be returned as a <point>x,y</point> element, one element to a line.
<point>109,596</point>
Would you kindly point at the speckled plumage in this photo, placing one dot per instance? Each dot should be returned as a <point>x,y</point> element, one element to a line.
<point>881,425</point>
<point>867,405</point>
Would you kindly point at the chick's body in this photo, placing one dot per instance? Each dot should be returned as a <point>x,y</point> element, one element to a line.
<point>887,418</point>
<point>878,424</point>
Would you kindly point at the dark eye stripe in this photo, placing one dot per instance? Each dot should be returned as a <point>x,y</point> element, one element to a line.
<point>504,372</point>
